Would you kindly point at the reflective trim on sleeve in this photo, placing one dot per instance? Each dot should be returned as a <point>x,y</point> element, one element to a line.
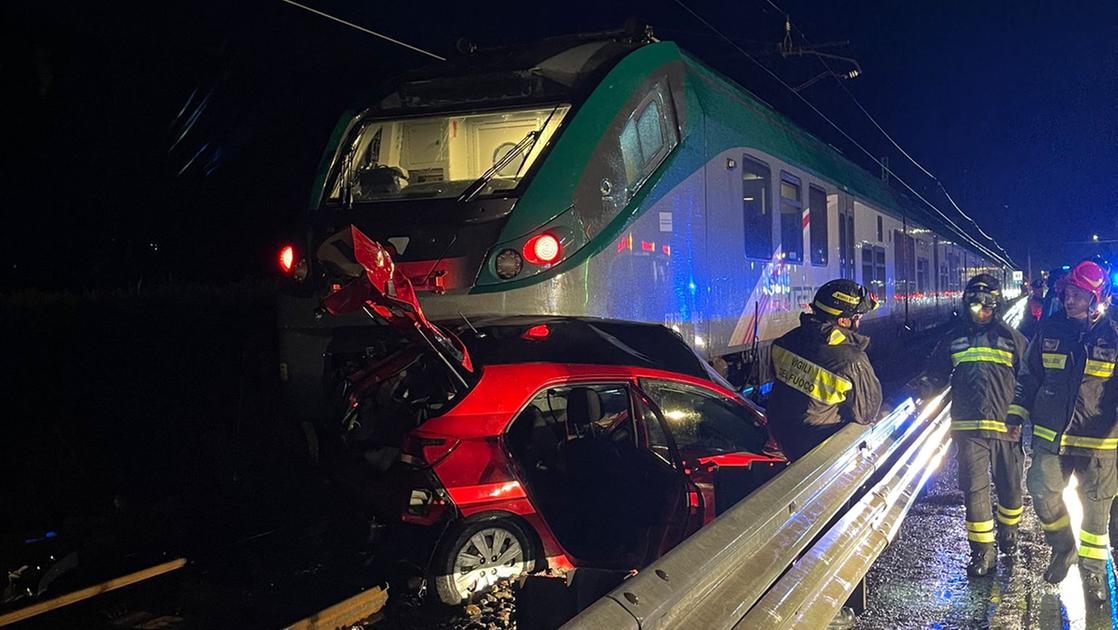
<point>809,378</point>
<point>1099,540</point>
<point>1054,361</point>
<point>1044,432</point>
<point>1102,369</point>
<point>1019,411</point>
<point>1093,553</point>
<point>983,354</point>
<point>979,425</point>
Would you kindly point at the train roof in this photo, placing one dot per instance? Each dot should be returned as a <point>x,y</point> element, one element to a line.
<point>778,135</point>
<point>569,67</point>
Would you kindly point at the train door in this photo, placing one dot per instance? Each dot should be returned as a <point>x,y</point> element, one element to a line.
<point>845,207</point>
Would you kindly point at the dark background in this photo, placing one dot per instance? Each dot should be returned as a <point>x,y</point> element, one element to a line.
<point>176,140</point>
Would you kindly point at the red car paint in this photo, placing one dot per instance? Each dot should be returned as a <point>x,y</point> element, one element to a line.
<point>479,474</point>
<point>466,450</point>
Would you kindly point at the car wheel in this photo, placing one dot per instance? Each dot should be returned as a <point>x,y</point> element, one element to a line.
<point>481,553</point>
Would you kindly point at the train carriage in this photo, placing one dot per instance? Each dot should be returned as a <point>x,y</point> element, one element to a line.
<point>615,176</point>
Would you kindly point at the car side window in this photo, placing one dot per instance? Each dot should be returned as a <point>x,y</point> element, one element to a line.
<point>612,417</point>
<point>703,422</point>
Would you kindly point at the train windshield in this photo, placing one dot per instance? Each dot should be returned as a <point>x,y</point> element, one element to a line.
<point>443,156</point>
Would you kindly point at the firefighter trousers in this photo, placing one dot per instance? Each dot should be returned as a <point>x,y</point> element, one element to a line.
<point>977,457</point>
<point>1097,482</point>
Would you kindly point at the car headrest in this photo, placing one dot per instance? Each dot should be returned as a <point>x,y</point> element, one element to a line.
<point>584,407</point>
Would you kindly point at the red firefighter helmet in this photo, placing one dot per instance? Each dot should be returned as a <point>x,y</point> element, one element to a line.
<point>1088,276</point>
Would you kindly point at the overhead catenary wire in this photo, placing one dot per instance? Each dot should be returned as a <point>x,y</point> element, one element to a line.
<point>365,30</point>
<point>958,230</point>
<point>888,137</point>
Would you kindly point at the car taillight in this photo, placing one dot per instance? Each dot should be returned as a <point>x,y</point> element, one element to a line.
<point>542,249</point>
<point>287,258</point>
<point>426,451</point>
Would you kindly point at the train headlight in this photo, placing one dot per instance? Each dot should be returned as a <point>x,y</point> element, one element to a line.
<point>508,264</point>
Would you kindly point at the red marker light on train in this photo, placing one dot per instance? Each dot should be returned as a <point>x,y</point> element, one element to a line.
<point>542,249</point>
<point>287,258</point>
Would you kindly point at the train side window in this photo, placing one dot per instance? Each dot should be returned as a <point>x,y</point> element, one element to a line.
<point>756,180</point>
<point>791,218</point>
<point>817,216</point>
<point>647,137</point>
<point>873,270</point>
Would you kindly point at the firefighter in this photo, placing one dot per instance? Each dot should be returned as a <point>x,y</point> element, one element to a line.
<point>981,355</point>
<point>1034,309</point>
<point>1068,389</point>
<point>823,378</point>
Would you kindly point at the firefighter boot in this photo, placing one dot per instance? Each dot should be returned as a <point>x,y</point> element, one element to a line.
<point>1064,555</point>
<point>1007,540</point>
<point>1095,588</point>
<point>983,557</point>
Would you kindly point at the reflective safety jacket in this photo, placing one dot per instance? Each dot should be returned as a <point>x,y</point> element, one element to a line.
<point>823,380</point>
<point>982,365</point>
<point>1068,388</point>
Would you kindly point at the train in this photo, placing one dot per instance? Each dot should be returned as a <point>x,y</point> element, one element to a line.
<point>617,176</point>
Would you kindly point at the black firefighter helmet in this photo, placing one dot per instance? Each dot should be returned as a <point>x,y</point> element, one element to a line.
<point>983,289</point>
<point>843,298</point>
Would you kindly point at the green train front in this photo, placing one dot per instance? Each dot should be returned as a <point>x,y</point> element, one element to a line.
<point>615,178</point>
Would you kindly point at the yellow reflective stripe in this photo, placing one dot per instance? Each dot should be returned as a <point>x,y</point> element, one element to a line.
<point>1089,442</point>
<point>1011,511</point>
<point>1044,432</point>
<point>1054,361</point>
<point>836,338</point>
<point>1077,441</point>
<point>1008,520</point>
<point>1100,540</point>
<point>826,309</point>
<point>979,425</point>
<point>991,355</point>
<point>1060,523</point>
<point>809,378</point>
<point>1018,410</point>
<point>980,526</point>
<point>1103,369</point>
<point>981,537</point>
<point>1093,553</point>
<point>845,297</point>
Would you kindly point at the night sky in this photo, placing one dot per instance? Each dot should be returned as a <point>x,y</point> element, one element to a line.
<point>178,140</point>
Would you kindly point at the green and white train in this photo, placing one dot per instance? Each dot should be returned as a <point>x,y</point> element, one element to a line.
<point>618,177</point>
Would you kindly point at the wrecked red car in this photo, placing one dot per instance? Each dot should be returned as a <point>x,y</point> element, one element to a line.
<point>542,442</point>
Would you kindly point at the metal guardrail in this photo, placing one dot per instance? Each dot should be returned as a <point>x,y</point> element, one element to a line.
<point>767,563</point>
<point>719,576</point>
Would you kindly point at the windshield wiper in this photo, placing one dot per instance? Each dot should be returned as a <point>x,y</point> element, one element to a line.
<point>479,184</point>
<point>529,140</point>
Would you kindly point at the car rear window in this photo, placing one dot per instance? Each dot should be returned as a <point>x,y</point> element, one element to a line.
<point>589,342</point>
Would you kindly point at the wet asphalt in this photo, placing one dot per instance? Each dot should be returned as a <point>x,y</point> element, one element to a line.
<point>920,580</point>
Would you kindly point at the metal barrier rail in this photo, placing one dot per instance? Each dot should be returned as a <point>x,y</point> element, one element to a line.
<point>814,589</point>
<point>715,577</point>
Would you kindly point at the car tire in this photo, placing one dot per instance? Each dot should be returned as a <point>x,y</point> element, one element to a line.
<point>478,552</point>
